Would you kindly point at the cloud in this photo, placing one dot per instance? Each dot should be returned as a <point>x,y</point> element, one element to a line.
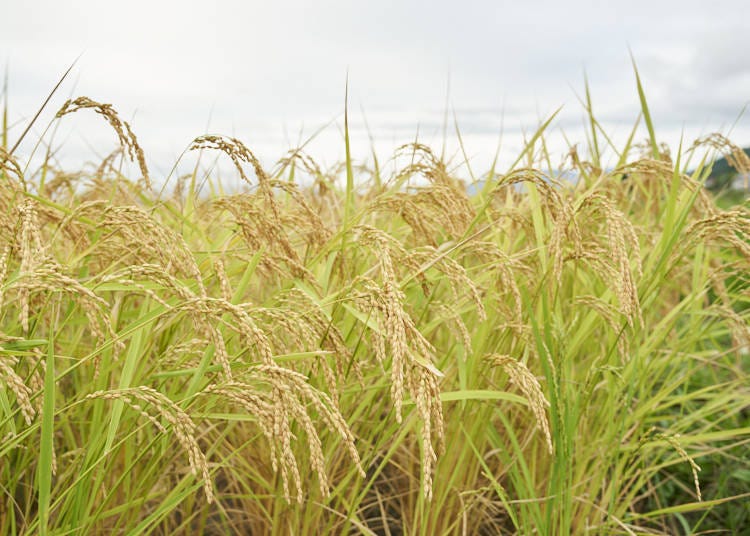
<point>702,80</point>
<point>261,67</point>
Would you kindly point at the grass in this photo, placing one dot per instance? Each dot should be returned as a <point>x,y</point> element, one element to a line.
<point>387,357</point>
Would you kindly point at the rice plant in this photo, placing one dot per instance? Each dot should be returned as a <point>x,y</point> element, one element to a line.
<point>372,354</point>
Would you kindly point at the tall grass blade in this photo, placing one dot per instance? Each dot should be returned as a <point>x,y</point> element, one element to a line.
<point>43,106</point>
<point>46,443</point>
<point>645,111</point>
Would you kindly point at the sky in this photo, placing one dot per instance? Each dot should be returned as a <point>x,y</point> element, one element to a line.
<point>274,73</point>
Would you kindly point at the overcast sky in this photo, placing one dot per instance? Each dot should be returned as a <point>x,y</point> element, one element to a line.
<point>272,73</point>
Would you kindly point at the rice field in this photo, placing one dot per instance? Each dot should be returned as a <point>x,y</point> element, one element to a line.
<point>372,353</point>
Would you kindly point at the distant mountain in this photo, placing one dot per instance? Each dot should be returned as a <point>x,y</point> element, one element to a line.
<point>725,177</point>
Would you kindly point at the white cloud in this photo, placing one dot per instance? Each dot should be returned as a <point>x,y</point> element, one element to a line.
<point>262,67</point>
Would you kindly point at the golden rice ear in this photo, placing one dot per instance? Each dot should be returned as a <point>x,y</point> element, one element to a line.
<point>10,167</point>
<point>738,325</point>
<point>221,274</point>
<point>304,218</point>
<point>522,377</point>
<point>505,270</point>
<point>265,227</point>
<point>610,315</point>
<point>425,163</point>
<point>618,254</point>
<point>125,135</point>
<point>277,408</point>
<point>15,383</point>
<point>437,211</point>
<point>433,213</point>
<point>40,274</point>
<point>549,188</point>
<point>673,441</point>
<point>730,227</point>
<point>299,323</point>
<point>4,265</point>
<point>456,326</point>
<point>299,157</point>
<point>240,154</point>
<point>456,275</point>
<point>182,425</point>
<point>412,355</point>
<point>137,236</point>
<point>206,313</point>
<point>736,157</point>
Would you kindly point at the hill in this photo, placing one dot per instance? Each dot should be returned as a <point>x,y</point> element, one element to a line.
<point>723,175</point>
